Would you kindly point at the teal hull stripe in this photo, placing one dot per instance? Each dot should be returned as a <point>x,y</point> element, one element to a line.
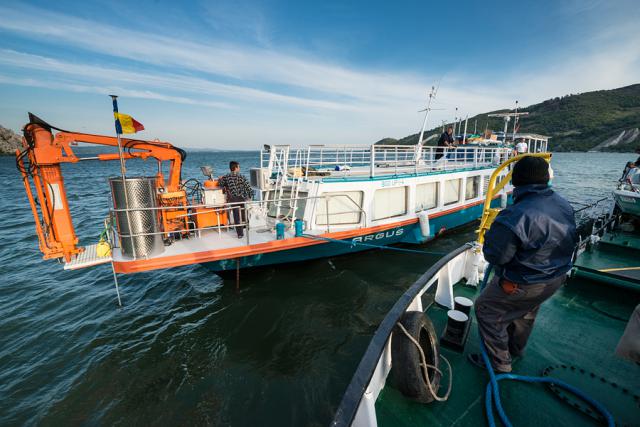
<point>402,234</point>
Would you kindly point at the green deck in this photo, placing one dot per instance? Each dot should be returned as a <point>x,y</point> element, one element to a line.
<point>614,260</point>
<point>579,326</point>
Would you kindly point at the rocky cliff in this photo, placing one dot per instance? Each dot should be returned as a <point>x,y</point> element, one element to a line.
<point>9,141</point>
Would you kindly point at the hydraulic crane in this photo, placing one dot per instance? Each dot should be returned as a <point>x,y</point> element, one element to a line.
<point>39,163</point>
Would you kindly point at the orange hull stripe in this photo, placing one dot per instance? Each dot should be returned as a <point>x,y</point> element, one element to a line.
<point>261,248</point>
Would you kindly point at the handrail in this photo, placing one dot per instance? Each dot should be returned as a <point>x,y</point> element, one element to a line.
<point>357,387</point>
<point>489,213</point>
<point>228,208</point>
<point>382,159</point>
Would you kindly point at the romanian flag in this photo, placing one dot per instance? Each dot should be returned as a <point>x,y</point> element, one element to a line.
<point>127,124</point>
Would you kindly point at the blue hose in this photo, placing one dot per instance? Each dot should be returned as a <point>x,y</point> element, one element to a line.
<point>492,396</point>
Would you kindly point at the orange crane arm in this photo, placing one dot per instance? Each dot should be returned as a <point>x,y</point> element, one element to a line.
<point>161,151</point>
<point>40,160</point>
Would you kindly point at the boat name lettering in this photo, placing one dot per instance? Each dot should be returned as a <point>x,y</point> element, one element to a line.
<point>392,182</point>
<point>378,236</point>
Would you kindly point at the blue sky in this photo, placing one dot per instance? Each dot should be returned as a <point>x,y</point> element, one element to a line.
<point>218,74</point>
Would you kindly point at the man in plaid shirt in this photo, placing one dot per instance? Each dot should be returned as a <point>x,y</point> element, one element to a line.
<point>237,189</point>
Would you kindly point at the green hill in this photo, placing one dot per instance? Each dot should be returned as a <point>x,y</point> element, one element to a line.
<point>604,120</point>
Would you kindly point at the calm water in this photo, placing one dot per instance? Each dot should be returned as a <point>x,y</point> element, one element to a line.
<point>186,348</point>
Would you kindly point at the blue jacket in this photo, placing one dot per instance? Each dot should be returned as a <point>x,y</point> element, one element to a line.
<point>532,241</point>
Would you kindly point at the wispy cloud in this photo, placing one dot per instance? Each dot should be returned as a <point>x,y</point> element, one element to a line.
<point>109,75</point>
<point>214,57</point>
<point>337,99</point>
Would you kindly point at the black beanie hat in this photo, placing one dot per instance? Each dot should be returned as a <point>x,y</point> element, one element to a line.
<point>530,170</point>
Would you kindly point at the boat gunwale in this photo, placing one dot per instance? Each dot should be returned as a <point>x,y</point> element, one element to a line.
<point>348,408</point>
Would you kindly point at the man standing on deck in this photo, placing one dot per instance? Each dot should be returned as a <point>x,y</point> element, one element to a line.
<point>522,147</point>
<point>530,245</point>
<point>446,140</point>
<point>237,189</point>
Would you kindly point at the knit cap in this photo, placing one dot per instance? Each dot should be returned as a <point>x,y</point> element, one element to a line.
<point>530,170</point>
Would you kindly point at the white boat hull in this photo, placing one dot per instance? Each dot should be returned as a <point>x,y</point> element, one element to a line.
<point>628,201</point>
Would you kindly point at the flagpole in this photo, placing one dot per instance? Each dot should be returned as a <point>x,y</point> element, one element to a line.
<point>114,99</point>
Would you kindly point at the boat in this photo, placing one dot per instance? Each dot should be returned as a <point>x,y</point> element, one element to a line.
<point>627,195</point>
<point>611,253</point>
<point>414,370</point>
<point>311,202</point>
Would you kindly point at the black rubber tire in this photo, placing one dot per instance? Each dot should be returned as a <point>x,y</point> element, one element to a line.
<point>405,357</point>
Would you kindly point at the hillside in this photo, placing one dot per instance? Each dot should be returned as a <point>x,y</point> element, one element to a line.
<point>9,141</point>
<point>604,120</point>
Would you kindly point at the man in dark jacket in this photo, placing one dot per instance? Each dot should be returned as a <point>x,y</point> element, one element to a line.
<point>530,245</point>
<point>446,140</point>
<point>237,189</point>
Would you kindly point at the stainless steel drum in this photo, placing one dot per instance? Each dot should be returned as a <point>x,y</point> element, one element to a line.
<point>141,193</point>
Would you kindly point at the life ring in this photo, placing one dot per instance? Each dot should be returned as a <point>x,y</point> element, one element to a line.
<point>408,374</point>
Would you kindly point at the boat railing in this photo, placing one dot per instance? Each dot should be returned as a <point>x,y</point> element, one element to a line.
<point>374,160</point>
<point>357,407</point>
<point>255,214</point>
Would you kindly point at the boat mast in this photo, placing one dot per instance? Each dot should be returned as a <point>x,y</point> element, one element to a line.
<point>455,123</point>
<point>515,123</point>
<point>507,118</point>
<point>432,96</point>
<point>464,135</point>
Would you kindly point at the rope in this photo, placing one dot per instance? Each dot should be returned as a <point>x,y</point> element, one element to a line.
<point>368,245</point>
<point>492,395</point>
<point>424,365</point>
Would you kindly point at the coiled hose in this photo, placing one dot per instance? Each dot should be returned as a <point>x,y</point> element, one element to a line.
<point>492,396</point>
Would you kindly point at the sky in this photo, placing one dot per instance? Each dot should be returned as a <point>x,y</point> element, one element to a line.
<point>240,74</point>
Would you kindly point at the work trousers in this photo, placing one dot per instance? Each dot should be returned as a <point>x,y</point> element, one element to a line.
<point>505,320</point>
<point>239,214</point>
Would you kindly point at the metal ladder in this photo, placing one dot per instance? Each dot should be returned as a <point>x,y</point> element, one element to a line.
<point>278,163</point>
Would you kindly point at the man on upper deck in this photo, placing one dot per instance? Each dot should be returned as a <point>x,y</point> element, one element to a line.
<point>445,141</point>
<point>237,189</point>
<point>530,245</point>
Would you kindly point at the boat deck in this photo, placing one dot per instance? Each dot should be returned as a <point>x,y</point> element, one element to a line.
<point>578,328</point>
<point>615,259</point>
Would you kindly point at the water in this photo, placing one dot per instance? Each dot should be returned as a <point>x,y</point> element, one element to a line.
<point>186,348</point>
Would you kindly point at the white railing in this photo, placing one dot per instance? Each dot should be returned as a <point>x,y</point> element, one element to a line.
<point>317,161</point>
<point>224,215</point>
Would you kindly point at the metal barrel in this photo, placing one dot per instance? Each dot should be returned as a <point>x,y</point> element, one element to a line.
<point>140,193</point>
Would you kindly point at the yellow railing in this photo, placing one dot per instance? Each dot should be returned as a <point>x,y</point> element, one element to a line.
<point>489,213</point>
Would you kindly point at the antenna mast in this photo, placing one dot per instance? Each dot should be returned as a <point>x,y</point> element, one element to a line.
<point>432,96</point>
<point>507,118</point>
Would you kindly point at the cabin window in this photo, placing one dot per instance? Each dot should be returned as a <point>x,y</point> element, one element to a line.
<point>426,196</point>
<point>485,184</point>
<point>338,208</point>
<point>389,202</point>
<point>472,189</point>
<point>451,191</point>
<point>287,205</point>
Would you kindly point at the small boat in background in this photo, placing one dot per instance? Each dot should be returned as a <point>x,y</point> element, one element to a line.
<point>627,195</point>
<point>611,253</point>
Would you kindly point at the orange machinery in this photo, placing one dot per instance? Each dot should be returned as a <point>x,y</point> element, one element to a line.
<point>211,215</point>
<point>39,163</point>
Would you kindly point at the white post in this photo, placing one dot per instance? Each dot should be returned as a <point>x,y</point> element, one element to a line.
<point>372,165</point>
<point>506,124</point>
<point>455,123</point>
<point>464,136</point>
<point>515,122</point>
